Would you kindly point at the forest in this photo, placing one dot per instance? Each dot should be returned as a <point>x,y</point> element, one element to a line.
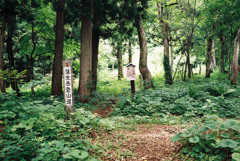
<point>119,80</point>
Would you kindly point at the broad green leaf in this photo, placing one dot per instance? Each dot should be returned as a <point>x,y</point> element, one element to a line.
<point>194,139</point>
<point>231,123</point>
<point>212,126</point>
<point>228,143</point>
<point>225,135</point>
<point>209,137</point>
<point>186,134</point>
<point>176,138</point>
<point>236,156</point>
<point>223,127</point>
<point>84,120</point>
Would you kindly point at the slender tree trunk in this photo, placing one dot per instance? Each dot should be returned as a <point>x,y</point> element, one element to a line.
<point>85,79</point>
<point>130,51</point>
<point>58,54</point>
<point>234,77</point>
<point>31,63</point>
<point>147,77</point>
<point>171,48</point>
<point>229,60</point>
<point>189,41</point>
<point>113,63</point>
<point>200,68</point>
<point>165,31</point>
<point>222,51</point>
<point>188,56</point>
<point>214,55</point>
<point>95,47</point>
<point>209,55</point>
<point>177,66</point>
<point>120,61</point>
<point>185,71</point>
<point>3,28</point>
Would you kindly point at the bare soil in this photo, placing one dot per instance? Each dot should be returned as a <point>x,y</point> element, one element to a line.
<point>145,143</point>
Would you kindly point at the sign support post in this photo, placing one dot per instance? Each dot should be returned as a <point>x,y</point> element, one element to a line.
<point>131,75</point>
<point>68,86</point>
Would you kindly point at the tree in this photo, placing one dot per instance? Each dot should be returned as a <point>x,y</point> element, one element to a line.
<point>85,79</point>
<point>147,77</point>
<point>2,40</point>
<point>235,60</point>
<point>58,54</point>
<point>165,37</point>
<point>120,61</point>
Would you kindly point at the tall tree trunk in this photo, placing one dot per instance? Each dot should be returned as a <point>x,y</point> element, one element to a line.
<point>31,62</point>
<point>120,61</point>
<point>185,71</point>
<point>189,41</point>
<point>214,56</point>
<point>95,47</point>
<point>147,77</point>
<point>221,37</point>
<point>85,79</point>
<point>58,54</point>
<point>235,60</point>
<point>14,84</point>
<point>229,60</point>
<point>171,48</point>
<point>209,55</point>
<point>165,31</point>
<point>130,51</point>
<point>3,28</point>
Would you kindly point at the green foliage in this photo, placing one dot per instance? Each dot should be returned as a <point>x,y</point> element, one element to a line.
<point>215,139</point>
<point>187,99</point>
<point>38,130</point>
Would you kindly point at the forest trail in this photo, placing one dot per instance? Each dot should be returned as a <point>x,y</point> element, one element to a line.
<point>145,143</point>
<point>152,142</point>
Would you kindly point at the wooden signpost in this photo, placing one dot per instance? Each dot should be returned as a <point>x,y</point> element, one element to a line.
<point>131,76</point>
<point>68,86</point>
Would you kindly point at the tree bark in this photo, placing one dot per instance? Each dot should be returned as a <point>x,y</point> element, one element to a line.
<point>11,28</point>
<point>229,60</point>
<point>234,77</point>
<point>31,62</point>
<point>189,41</point>
<point>214,55</point>
<point>171,48</point>
<point>3,28</point>
<point>58,54</point>
<point>221,37</point>
<point>95,48</point>
<point>209,55</point>
<point>120,61</point>
<point>165,31</point>
<point>146,75</point>
<point>85,79</point>
<point>130,51</point>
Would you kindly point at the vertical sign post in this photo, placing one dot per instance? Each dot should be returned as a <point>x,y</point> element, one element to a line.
<point>131,75</point>
<point>68,86</point>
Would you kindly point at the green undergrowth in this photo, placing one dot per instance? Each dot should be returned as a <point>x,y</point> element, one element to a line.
<point>185,99</point>
<point>35,127</point>
<point>213,140</point>
<point>39,130</point>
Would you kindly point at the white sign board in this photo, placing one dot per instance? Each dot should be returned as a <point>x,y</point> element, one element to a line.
<point>68,86</point>
<point>131,75</point>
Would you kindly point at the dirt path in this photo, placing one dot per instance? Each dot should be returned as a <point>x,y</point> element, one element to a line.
<point>145,143</point>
